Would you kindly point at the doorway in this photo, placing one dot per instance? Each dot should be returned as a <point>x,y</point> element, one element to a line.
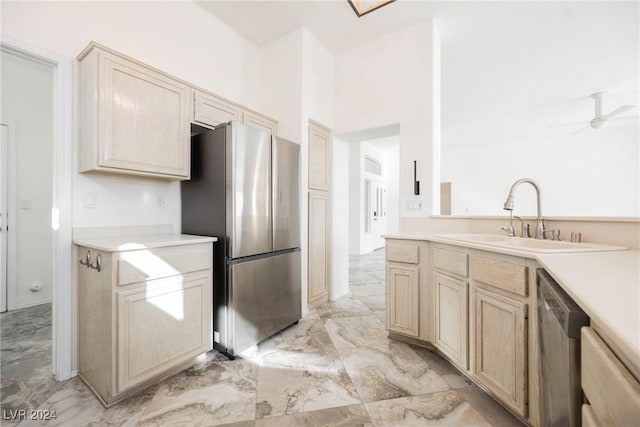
<point>373,192</point>
<point>27,249</point>
<point>59,181</point>
<point>4,141</point>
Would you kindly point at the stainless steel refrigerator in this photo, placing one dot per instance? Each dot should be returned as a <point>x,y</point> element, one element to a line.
<point>244,189</point>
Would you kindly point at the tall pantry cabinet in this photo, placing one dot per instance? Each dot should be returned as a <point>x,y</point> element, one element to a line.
<point>319,214</point>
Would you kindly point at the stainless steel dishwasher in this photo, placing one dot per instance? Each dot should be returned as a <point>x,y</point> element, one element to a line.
<point>559,323</point>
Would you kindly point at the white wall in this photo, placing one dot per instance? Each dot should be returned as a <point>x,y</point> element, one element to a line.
<point>177,37</point>
<point>296,84</point>
<point>356,209</point>
<point>27,107</point>
<point>392,178</point>
<point>391,80</point>
<point>340,199</point>
<point>588,173</point>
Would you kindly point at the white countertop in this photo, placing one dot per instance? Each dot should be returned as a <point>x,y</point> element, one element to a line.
<point>142,241</point>
<point>606,285</point>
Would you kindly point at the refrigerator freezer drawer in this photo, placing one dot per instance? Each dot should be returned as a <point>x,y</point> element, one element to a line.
<point>264,298</point>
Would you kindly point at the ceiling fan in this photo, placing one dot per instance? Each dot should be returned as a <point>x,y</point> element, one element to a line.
<point>600,120</point>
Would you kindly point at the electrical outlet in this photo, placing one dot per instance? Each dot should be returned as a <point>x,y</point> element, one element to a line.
<point>90,201</point>
<point>415,205</point>
<point>160,199</point>
<point>25,204</point>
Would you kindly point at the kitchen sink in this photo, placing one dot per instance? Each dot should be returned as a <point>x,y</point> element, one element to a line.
<point>531,245</point>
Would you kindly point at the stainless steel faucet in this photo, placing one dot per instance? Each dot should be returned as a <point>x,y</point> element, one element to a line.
<point>508,204</point>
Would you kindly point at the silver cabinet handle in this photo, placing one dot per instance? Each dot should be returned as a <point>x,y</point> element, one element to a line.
<point>87,261</point>
<point>87,258</point>
<point>98,265</point>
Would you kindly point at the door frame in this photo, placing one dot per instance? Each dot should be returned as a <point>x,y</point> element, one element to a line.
<point>61,212</point>
<point>4,203</point>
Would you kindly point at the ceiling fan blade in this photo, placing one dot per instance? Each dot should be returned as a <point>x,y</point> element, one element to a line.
<point>580,130</point>
<point>569,124</point>
<point>617,111</point>
<point>625,117</point>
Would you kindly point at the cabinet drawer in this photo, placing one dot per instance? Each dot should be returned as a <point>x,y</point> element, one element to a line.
<point>162,327</point>
<point>210,110</point>
<point>403,253</point>
<point>613,393</point>
<point>451,261</point>
<point>149,264</point>
<point>500,274</point>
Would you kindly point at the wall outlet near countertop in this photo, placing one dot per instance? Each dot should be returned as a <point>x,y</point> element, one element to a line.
<point>415,205</point>
<point>160,201</point>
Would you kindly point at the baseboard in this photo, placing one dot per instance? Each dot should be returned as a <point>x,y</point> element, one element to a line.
<point>33,304</point>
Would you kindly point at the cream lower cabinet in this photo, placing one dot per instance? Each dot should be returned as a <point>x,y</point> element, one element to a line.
<point>319,248</point>
<point>159,325</point>
<point>613,393</point>
<point>145,313</point>
<point>403,288</point>
<point>451,318</point>
<point>500,356</point>
<point>402,303</point>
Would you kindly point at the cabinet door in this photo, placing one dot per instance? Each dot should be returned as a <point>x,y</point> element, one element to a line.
<point>452,325</point>
<point>319,157</point>
<point>402,299</point>
<point>144,123</point>
<point>501,346</point>
<point>319,247</point>
<point>260,122</point>
<point>210,110</point>
<point>161,325</point>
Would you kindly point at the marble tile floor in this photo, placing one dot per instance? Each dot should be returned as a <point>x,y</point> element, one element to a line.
<point>336,367</point>
<point>26,379</point>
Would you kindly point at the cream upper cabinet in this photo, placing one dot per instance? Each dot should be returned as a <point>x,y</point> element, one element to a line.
<point>259,121</point>
<point>452,324</point>
<point>134,119</point>
<point>500,356</point>
<point>319,157</point>
<point>144,314</point>
<point>210,110</point>
<point>319,247</point>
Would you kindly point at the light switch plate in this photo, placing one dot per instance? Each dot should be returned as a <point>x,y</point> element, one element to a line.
<point>89,201</point>
<point>25,204</point>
